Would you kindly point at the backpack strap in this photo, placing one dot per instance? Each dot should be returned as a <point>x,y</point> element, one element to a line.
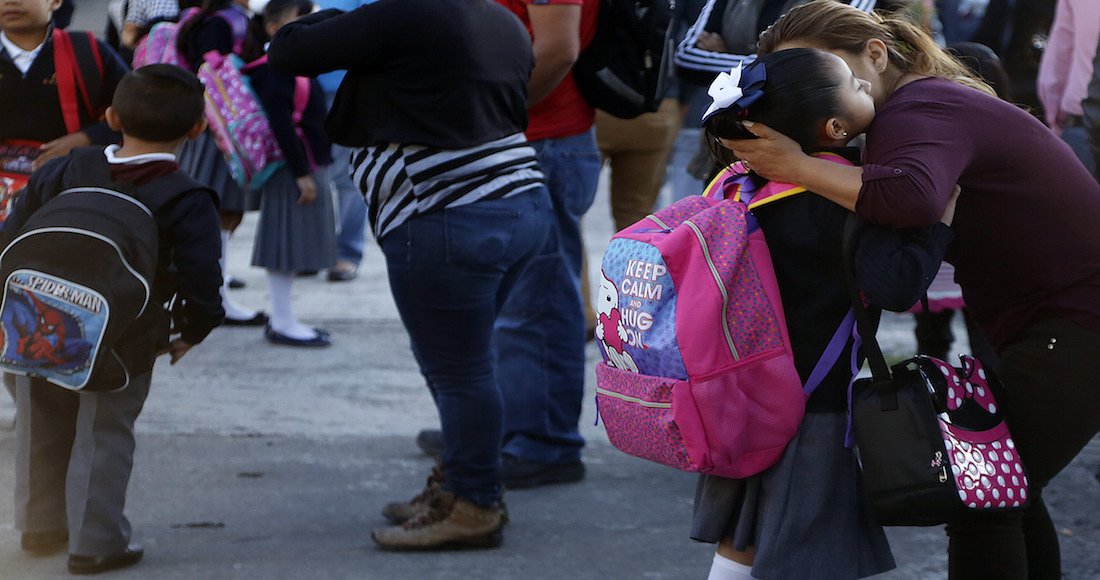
<point>238,24</point>
<point>70,78</point>
<point>301,101</point>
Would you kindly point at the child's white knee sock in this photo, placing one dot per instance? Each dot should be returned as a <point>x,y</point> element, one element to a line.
<point>283,319</point>
<point>232,309</point>
<point>725,569</point>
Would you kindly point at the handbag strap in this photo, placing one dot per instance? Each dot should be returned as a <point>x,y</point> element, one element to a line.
<point>879,369</point>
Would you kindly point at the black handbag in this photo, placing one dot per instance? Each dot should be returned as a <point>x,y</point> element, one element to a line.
<point>931,441</point>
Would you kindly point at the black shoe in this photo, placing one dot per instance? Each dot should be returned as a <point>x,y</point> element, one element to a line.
<point>343,275</point>
<point>518,473</point>
<point>236,283</point>
<point>259,319</point>
<point>430,441</point>
<point>322,338</point>
<point>83,565</point>
<point>44,543</point>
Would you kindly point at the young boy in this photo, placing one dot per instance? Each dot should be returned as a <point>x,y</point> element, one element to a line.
<point>31,91</point>
<point>75,449</point>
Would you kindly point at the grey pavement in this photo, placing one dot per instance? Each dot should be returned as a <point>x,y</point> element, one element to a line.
<point>257,461</point>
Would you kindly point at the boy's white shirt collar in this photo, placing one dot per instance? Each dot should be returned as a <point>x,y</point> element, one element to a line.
<point>23,59</point>
<point>135,159</point>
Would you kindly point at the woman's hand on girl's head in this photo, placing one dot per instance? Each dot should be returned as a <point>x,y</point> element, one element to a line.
<point>773,155</point>
<point>308,189</point>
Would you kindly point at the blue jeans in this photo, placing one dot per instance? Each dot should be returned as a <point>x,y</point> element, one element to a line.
<point>1078,139</point>
<point>450,271</point>
<point>352,221</point>
<point>539,343</point>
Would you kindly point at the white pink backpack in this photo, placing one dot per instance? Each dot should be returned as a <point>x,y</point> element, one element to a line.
<point>159,45</point>
<point>698,372</point>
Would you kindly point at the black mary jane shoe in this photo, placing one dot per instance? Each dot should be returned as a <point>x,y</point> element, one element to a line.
<point>44,543</point>
<point>259,319</point>
<point>84,565</point>
<point>322,338</point>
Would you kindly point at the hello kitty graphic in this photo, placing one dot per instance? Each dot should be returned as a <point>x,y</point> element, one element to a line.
<point>609,327</point>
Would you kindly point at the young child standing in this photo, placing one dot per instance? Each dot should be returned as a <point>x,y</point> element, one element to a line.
<point>75,449</point>
<point>222,26</point>
<point>808,515</point>
<point>297,230</point>
<point>31,85</point>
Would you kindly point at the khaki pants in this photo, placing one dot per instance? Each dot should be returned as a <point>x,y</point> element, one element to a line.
<point>637,151</point>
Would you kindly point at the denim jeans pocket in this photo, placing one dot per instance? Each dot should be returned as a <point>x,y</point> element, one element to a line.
<point>478,235</point>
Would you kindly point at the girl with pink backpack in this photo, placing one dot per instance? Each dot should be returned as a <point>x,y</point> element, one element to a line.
<point>808,514</point>
<point>297,230</point>
<point>222,26</point>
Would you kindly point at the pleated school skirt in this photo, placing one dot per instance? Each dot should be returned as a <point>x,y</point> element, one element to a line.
<point>808,516</point>
<point>292,237</point>
<point>203,161</point>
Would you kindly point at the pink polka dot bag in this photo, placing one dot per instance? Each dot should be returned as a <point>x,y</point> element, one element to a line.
<point>931,438</point>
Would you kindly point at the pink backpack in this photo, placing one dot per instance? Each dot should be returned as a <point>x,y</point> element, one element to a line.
<point>159,45</point>
<point>698,372</point>
<point>238,121</point>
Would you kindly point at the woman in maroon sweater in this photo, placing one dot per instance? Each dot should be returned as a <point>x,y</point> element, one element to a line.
<point>1026,248</point>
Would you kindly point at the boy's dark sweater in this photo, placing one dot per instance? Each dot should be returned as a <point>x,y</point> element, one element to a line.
<point>276,91</point>
<point>30,108</point>
<point>893,268</point>
<point>190,240</point>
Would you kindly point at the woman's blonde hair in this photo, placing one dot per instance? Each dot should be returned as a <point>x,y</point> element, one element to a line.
<point>838,26</point>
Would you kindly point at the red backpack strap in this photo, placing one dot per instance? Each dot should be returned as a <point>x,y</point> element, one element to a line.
<point>64,61</point>
<point>70,79</point>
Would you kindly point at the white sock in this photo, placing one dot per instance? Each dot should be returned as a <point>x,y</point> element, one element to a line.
<point>232,309</point>
<point>725,569</point>
<point>283,319</point>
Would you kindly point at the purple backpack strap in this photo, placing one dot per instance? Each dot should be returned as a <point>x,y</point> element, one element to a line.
<point>832,353</point>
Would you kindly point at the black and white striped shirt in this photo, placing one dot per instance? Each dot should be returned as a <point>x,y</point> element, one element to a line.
<point>691,57</point>
<point>402,181</point>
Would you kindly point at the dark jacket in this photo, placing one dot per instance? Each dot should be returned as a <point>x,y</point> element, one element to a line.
<point>893,268</point>
<point>31,108</point>
<point>450,74</point>
<point>190,245</point>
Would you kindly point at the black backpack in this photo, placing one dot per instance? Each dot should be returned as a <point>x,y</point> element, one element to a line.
<point>80,274</point>
<point>626,69</point>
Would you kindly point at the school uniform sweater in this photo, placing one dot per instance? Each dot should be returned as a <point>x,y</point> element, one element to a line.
<point>190,242</point>
<point>893,269</point>
<point>30,103</point>
<point>276,91</point>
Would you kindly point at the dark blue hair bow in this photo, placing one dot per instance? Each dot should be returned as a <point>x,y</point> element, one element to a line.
<point>737,89</point>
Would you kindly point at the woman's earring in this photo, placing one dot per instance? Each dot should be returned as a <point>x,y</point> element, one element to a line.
<point>843,133</point>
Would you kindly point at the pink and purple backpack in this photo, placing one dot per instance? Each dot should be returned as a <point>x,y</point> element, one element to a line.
<point>238,121</point>
<point>159,45</point>
<point>698,372</point>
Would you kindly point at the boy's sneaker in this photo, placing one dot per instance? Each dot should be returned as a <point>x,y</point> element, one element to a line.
<point>449,523</point>
<point>401,512</point>
<point>518,473</point>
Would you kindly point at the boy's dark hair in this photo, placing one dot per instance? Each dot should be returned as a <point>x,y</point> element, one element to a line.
<point>800,90</point>
<point>159,102</point>
<point>278,9</point>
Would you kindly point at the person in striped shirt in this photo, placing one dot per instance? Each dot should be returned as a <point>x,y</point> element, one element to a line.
<point>725,34</point>
<point>459,207</point>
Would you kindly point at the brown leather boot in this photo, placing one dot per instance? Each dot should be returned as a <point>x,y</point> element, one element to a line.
<point>449,523</point>
<point>401,512</point>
